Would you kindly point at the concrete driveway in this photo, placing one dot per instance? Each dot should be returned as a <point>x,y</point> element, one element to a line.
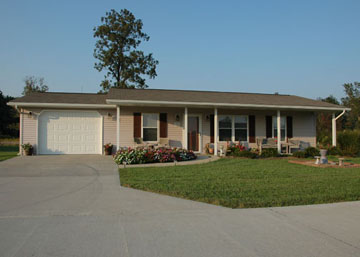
<point>74,206</point>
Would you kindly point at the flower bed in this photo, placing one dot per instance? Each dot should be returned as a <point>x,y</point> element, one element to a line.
<point>148,155</point>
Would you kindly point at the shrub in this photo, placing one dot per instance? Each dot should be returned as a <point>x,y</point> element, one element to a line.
<point>333,150</point>
<point>269,152</point>
<point>349,142</point>
<point>299,154</point>
<point>244,153</point>
<point>311,152</point>
<point>147,155</point>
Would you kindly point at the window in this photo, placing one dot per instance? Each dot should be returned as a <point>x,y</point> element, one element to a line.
<point>241,128</point>
<point>225,128</point>
<point>150,126</point>
<point>233,128</point>
<point>283,127</point>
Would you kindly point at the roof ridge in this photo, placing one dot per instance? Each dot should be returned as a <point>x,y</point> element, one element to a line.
<point>200,91</point>
<point>69,93</point>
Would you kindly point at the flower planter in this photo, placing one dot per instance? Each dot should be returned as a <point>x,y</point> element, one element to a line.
<point>108,151</point>
<point>28,152</point>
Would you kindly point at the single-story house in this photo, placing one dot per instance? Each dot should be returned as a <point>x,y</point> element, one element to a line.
<point>81,123</point>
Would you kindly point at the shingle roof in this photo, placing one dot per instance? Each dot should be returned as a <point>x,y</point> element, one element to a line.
<point>215,97</point>
<point>185,96</point>
<point>69,98</point>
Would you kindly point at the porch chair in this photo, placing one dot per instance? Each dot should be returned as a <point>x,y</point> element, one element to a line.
<point>163,142</point>
<point>139,142</point>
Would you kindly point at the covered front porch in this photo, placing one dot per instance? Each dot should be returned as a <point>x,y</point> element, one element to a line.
<point>195,128</point>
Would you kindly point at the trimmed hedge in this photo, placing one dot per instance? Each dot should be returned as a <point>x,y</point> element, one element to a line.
<point>269,152</point>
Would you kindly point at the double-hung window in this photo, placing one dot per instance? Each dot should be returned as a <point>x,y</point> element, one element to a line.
<point>150,126</point>
<point>233,128</point>
<point>225,128</point>
<point>241,128</point>
<point>282,126</point>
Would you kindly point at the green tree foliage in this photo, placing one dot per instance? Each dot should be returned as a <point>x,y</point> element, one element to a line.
<point>9,118</point>
<point>352,100</point>
<point>33,84</point>
<point>323,123</point>
<point>118,38</point>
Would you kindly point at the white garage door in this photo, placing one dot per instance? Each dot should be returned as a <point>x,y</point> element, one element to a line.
<point>70,132</point>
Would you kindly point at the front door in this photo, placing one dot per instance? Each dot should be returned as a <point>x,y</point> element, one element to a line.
<point>193,133</point>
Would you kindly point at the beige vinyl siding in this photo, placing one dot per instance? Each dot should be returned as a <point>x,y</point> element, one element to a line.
<point>175,128</point>
<point>304,124</point>
<point>29,127</point>
<point>109,127</point>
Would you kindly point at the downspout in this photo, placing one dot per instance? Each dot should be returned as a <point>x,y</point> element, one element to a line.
<point>334,119</point>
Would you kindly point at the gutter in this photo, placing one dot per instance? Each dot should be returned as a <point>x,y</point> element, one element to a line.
<point>62,105</point>
<point>205,104</point>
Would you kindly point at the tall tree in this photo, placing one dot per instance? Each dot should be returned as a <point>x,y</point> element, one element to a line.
<point>352,100</point>
<point>33,84</point>
<point>116,50</point>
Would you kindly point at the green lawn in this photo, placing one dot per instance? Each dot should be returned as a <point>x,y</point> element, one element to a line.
<point>246,183</point>
<point>7,152</point>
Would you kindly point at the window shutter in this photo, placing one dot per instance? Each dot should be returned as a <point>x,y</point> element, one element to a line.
<point>289,126</point>
<point>252,129</point>
<point>268,126</point>
<point>212,125</point>
<point>137,124</point>
<point>163,125</point>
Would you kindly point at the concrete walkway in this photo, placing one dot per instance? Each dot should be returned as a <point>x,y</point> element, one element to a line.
<point>74,206</point>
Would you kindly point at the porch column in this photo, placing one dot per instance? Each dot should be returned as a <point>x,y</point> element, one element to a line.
<point>278,131</point>
<point>186,128</point>
<point>333,121</point>
<point>215,131</point>
<point>117,127</point>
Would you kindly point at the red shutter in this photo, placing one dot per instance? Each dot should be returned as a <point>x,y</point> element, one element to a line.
<point>268,126</point>
<point>212,128</point>
<point>137,124</point>
<point>289,126</point>
<point>252,129</point>
<point>163,125</point>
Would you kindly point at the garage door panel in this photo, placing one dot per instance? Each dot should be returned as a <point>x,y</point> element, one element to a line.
<point>70,132</point>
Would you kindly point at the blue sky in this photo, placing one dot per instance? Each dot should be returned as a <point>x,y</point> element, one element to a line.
<point>307,48</point>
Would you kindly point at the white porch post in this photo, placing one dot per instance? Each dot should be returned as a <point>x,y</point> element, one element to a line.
<point>333,121</point>
<point>278,131</point>
<point>186,128</point>
<point>117,127</point>
<point>215,131</point>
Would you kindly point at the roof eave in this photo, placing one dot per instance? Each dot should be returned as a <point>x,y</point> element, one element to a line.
<point>228,105</point>
<point>61,105</point>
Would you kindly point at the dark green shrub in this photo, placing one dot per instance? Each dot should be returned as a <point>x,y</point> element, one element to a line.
<point>334,151</point>
<point>269,152</point>
<point>311,152</point>
<point>349,142</point>
<point>299,154</point>
<point>244,153</point>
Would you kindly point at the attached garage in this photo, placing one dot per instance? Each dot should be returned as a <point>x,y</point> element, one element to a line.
<point>69,132</point>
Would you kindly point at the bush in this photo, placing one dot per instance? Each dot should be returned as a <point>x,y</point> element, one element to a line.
<point>334,151</point>
<point>349,142</point>
<point>299,154</point>
<point>244,153</point>
<point>311,152</point>
<point>147,155</point>
<point>269,152</point>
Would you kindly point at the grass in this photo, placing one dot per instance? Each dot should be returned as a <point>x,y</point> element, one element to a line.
<point>247,183</point>
<point>8,151</point>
